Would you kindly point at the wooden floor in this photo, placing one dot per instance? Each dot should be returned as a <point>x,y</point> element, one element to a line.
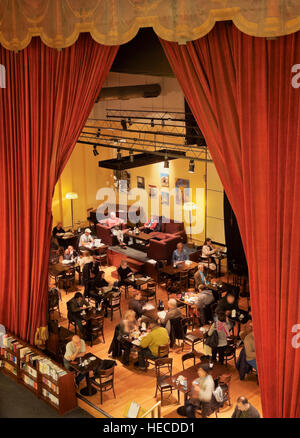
<point>132,384</point>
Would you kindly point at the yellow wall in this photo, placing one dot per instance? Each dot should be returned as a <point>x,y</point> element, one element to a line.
<point>83,176</point>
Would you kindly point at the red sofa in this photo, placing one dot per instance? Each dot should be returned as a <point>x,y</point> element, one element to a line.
<point>163,248</point>
<point>104,233</point>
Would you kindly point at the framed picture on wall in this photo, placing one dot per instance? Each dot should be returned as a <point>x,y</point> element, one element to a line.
<point>152,191</point>
<point>182,187</point>
<point>165,198</point>
<point>164,180</point>
<point>140,182</point>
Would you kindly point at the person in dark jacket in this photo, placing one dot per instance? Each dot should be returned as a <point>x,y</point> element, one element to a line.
<point>244,409</point>
<point>227,304</point>
<point>75,306</point>
<point>137,304</point>
<point>242,365</point>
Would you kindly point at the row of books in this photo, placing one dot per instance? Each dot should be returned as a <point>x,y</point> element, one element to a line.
<point>7,355</point>
<point>29,357</point>
<point>11,368</point>
<point>11,343</point>
<point>50,396</point>
<point>51,385</point>
<point>29,369</point>
<point>48,368</point>
<point>29,381</point>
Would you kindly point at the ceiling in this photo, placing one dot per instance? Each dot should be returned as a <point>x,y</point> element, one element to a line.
<point>142,55</point>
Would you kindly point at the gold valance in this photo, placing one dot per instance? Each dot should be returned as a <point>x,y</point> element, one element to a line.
<point>112,22</point>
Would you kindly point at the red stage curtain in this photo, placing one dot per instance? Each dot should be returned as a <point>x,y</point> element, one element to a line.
<point>47,100</point>
<point>239,90</point>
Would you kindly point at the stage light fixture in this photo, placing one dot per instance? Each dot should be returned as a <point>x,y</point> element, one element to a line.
<point>119,155</point>
<point>192,166</point>
<point>131,156</point>
<point>152,123</point>
<point>95,151</point>
<point>129,121</point>
<point>98,132</point>
<point>124,124</point>
<point>166,163</point>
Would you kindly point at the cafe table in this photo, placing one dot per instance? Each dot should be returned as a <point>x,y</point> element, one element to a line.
<point>180,267</point>
<point>190,374</point>
<point>188,301</point>
<point>89,362</point>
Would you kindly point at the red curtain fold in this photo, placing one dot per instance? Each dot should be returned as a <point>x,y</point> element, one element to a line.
<point>239,90</point>
<point>47,100</point>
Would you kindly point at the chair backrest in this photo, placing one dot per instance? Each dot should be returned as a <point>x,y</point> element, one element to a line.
<point>163,350</point>
<point>115,299</point>
<point>106,376</point>
<point>185,323</point>
<point>163,367</point>
<point>53,297</point>
<point>176,327</point>
<point>188,356</point>
<point>97,323</point>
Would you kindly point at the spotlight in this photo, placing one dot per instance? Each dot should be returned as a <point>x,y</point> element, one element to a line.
<point>98,132</point>
<point>192,166</point>
<point>131,156</point>
<point>119,155</point>
<point>124,124</point>
<point>166,163</point>
<point>129,121</point>
<point>152,123</point>
<point>163,123</point>
<point>95,151</point>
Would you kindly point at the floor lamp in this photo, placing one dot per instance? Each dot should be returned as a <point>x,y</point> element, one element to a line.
<point>190,206</point>
<point>72,196</point>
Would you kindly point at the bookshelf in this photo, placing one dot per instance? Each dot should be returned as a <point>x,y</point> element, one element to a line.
<point>38,373</point>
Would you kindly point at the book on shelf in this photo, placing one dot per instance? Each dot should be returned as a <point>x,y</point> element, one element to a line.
<point>50,396</point>
<point>30,382</point>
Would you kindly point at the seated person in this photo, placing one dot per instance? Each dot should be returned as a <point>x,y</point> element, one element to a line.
<point>58,229</point>
<point>127,326</point>
<point>207,253</point>
<point>86,239</point>
<point>200,279</point>
<point>113,220</point>
<point>157,336</point>
<point>85,257</point>
<point>124,271</point>
<point>172,313</point>
<point>151,225</point>
<point>244,409</point>
<point>74,349</point>
<point>227,304</point>
<point>204,299</point>
<point>75,307</point>
<point>70,253</point>
<point>179,255</point>
<point>137,304</point>
<point>201,395</point>
<point>116,231</point>
<point>248,338</point>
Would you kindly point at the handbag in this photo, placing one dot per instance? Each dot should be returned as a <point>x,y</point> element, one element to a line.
<point>212,340</point>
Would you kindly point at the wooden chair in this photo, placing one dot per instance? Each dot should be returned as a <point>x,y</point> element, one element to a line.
<point>224,382</point>
<point>105,382</point>
<point>95,328</point>
<point>114,303</point>
<point>163,369</point>
<point>163,351</point>
<point>230,353</point>
<point>191,277</point>
<point>188,356</point>
<point>53,300</point>
<point>188,338</point>
<point>70,319</point>
<point>183,281</point>
<point>68,280</point>
<point>150,292</point>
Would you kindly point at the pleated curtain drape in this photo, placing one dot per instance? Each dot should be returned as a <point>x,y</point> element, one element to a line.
<point>239,90</point>
<point>48,97</point>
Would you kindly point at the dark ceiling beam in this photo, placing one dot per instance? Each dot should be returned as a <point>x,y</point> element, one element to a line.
<point>127,92</point>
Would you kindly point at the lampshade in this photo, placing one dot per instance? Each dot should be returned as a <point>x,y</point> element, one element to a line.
<point>190,206</point>
<point>71,195</point>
